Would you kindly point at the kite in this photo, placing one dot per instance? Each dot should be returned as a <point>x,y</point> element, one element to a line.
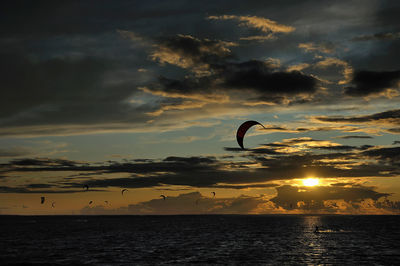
<point>243,129</point>
<point>122,191</point>
<point>162,196</point>
<point>213,194</point>
<point>42,199</point>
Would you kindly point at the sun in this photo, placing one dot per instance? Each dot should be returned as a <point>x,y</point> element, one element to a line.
<point>310,182</point>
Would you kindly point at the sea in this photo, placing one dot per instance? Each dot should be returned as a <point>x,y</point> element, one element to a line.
<point>200,240</point>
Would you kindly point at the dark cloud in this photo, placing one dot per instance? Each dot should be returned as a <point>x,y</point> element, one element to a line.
<point>394,130</point>
<point>388,154</point>
<point>15,152</point>
<point>316,196</point>
<point>37,190</point>
<point>189,52</point>
<point>372,82</point>
<point>354,137</point>
<point>188,203</point>
<point>43,162</point>
<point>342,184</point>
<point>61,91</point>
<point>191,160</point>
<point>378,36</point>
<point>255,151</point>
<point>387,117</point>
<point>261,77</point>
<point>258,78</point>
<point>358,200</point>
<point>256,166</point>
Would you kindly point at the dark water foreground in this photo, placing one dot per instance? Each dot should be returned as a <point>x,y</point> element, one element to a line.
<point>203,239</point>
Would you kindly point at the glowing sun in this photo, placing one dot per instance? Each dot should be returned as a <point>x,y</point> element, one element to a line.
<point>310,182</point>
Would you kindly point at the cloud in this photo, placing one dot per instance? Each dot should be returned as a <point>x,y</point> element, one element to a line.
<point>378,36</point>
<point>354,137</point>
<point>188,203</point>
<point>290,194</point>
<point>231,80</point>
<point>179,106</point>
<point>188,52</point>
<point>347,71</point>
<point>263,24</point>
<point>327,48</point>
<point>373,82</point>
<point>130,35</point>
<point>259,38</point>
<point>387,118</point>
<point>340,200</point>
<point>63,96</point>
<point>15,152</point>
<point>289,159</point>
<point>259,76</point>
<point>354,199</point>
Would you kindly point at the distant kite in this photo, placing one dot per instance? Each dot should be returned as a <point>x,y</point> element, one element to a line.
<point>42,199</point>
<point>122,191</point>
<point>90,202</point>
<point>162,196</point>
<point>213,194</point>
<point>243,129</point>
<point>53,204</point>
<point>86,187</point>
<point>106,202</point>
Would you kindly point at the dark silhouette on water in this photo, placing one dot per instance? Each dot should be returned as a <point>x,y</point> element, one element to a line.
<point>243,129</point>
<point>42,199</point>
<point>86,187</point>
<point>316,230</point>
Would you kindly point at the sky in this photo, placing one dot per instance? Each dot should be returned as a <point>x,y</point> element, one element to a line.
<point>147,96</point>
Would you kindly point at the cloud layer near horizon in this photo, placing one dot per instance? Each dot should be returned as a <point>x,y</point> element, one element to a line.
<point>336,201</point>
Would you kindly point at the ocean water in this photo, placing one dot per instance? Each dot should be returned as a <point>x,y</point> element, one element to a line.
<point>200,239</point>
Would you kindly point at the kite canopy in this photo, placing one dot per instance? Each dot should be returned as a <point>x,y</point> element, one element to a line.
<point>42,199</point>
<point>243,129</point>
<point>213,194</point>
<point>122,191</point>
<point>162,196</point>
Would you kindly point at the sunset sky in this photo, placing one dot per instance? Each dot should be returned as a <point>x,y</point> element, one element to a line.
<point>148,95</point>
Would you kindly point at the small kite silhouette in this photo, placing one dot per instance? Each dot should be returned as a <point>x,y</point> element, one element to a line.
<point>213,194</point>
<point>162,196</point>
<point>122,191</point>
<point>42,199</point>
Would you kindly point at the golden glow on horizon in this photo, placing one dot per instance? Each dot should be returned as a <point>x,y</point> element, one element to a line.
<point>310,182</point>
